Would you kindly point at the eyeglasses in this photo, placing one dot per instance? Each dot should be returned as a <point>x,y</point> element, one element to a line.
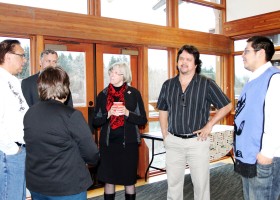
<point>114,73</point>
<point>246,51</point>
<point>21,55</point>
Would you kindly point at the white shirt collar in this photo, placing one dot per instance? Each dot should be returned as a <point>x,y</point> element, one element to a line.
<point>260,71</point>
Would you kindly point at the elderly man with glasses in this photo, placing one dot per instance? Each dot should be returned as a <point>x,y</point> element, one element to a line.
<point>13,107</point>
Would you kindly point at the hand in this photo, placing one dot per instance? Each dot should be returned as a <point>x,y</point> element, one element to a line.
<point>113,111</point>
<point>203,133</point>
<point>164,135</point>
<point>118,110</point>
<point>263,160</point>
<point>122,110</point>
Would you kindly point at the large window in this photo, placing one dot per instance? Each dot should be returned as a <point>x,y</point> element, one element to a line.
<point>25,43</point>
<point>241,75</point>
<point>74,64</point>
<point>199,18</point>
<point>210,64</point>
<point>62,5</point>
<point>157,66</point>
<point>151,11</point>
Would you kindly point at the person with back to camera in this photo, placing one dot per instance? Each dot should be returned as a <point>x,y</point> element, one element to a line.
<point>256,124</point>
<point>119,134</point>
<point>12,110</point>
<point>29,85</point>
<point>59,143</point>
<point>184,109</point>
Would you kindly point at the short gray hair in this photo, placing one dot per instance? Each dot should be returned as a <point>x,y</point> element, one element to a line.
<point>47,52</point>
<point>125,70</point>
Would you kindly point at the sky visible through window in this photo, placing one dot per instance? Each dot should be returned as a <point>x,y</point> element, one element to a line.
<point>62,5</point>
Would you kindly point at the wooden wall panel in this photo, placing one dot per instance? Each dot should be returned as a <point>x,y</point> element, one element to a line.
<point>268,23</point>
<point>27,20</point>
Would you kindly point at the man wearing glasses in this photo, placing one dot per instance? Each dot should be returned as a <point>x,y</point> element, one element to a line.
<point>48,58</point>
<point>13,107</point>
<point>256,123</point>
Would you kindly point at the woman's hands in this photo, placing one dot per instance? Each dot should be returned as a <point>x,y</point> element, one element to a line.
<point>118,110</point>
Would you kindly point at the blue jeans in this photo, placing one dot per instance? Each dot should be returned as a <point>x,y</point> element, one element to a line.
<point>12,177</point>
<point>38,196</point>
<point>276,179</point>
<point>265,185</point>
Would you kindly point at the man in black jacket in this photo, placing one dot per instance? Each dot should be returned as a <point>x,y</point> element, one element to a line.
<point>29,85</point>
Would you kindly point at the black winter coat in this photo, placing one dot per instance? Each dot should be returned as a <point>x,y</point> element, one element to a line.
<point>137,116</point>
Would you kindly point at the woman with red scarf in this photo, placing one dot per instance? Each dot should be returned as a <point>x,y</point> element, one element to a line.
<point>119,110</point>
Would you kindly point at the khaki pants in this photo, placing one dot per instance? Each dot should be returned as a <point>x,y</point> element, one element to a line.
<point>180,152</point>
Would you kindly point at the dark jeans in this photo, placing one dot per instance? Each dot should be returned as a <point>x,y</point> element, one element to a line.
<point>266,185</point>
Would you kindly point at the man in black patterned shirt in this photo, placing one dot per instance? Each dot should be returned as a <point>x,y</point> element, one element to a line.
<point>184,109</point>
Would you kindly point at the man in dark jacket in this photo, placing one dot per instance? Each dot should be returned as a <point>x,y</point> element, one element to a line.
<point>29,85</point>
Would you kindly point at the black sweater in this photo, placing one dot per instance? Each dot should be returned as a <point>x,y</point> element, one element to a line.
<point>59,143</point>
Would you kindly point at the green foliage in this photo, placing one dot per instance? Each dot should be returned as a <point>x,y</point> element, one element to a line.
<point>119,58</point>
<point>75,67</point>
<point>210,73</point>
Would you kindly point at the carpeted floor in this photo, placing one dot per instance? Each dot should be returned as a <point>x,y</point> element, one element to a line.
<point>225,184</point>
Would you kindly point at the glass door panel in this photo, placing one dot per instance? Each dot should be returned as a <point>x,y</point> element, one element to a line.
<point>74,64</point>
<point>106,55</point>
<point>77,60</point>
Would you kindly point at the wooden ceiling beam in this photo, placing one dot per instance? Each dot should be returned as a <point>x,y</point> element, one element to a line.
<point>260,24</point>
<point>37,21</point>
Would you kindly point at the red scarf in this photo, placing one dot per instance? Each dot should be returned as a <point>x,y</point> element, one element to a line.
<point>115,121</point>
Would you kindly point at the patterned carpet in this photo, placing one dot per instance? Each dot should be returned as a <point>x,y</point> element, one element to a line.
<point>225,184</point>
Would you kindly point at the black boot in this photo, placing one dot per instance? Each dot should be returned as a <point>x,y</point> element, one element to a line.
<point>130,196</point>
<point>109,196</point>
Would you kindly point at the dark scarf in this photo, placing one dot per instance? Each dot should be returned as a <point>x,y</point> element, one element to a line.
<point>115,121</point>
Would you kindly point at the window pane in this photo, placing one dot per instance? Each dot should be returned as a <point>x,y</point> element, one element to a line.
<point>74,64</point>
<point>240,45</point>
<point>199,18</point>
<point>25,43</point>
<point>151,11</point>
<point>276,59</point>
<point>241,75</point>
<point>110,59</point>
<point>154,126</point>
<point>157,67</point>
<point>275,39</point>
<point>62,5</point>
<point>209,65</point>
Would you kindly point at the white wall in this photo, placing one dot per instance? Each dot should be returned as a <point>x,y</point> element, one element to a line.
<point>237,9</point>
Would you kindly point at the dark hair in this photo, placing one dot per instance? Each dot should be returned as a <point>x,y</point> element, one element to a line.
<point>53,82</point>
<point>261,42</point>
<point>194,51</point>
<point>47,52</point>
<point>7,46</point>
